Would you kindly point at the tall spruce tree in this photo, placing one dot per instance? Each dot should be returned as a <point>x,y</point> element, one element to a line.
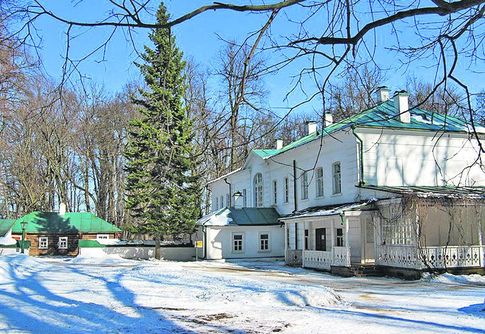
<point>162,189</point>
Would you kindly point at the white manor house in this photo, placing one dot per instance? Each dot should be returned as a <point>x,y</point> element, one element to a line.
<point>388,189</point>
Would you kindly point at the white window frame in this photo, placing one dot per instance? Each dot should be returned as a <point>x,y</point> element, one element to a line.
<point>336,178</point>
<point>339,239</point>
<point>43,240</point>
<point>275,192</point>
<point>240,243</point>
<point>268,242</point>
<point>304,185</point>
<point>319,184</point>
<point>102,236</point>
<point>258,190</point>
<point>61,241</point>
<point>287,190</point>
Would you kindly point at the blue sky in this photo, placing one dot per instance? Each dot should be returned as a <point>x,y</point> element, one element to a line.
<point>199,39</point>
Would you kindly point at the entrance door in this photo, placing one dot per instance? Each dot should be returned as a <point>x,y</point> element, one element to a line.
<point>369,246</point>
<point>321,239</point>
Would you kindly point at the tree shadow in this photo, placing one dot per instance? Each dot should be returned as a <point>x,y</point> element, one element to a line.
<point>32,307</point>
<point>474,309</point>
<point>400,321</point>
<point>53,223</point>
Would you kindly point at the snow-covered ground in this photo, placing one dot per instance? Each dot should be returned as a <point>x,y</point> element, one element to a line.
<point>111,295</point>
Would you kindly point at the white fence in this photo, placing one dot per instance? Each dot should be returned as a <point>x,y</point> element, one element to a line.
<point>6,251</point>
<point>134,252</point>
<point>430,257</point>
<point>339,256</point>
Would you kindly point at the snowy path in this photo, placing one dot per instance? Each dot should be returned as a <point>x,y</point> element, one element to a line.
<point>120,296</point>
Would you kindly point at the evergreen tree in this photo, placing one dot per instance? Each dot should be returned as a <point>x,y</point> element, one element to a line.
<point>162,185</point>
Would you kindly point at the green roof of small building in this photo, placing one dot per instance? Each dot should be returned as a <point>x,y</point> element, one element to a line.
<point>5,226</point>
<point>70,222</point>
<point>383,115</point>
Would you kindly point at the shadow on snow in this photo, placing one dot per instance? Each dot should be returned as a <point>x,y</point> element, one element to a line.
<point>31,307</point>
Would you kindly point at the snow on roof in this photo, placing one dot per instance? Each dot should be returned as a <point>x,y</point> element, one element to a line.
<point>224,176</point>
<point>7,241</point>
<point>433,191</point>
<point>315,212</point>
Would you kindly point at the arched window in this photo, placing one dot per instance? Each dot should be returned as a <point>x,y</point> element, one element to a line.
<point>258,190</point>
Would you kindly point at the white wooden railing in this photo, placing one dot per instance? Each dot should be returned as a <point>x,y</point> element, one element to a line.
<point>397,256</point>
<point>429,257</point>
<point>317,259</point>
<point>339,256</point>
<point>452,256</point>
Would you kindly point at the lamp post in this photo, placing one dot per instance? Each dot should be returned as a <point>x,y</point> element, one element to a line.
<point>237,195</point>
<point>23,236</point>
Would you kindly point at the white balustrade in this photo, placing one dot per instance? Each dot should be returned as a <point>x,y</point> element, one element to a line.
<point>341,256</point>
<point>451,256</point>
<point>398,256</point>
<point>317,259</point>
<point>429,257</point>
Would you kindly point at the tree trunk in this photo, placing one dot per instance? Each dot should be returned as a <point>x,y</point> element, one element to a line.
<point>157,248</point>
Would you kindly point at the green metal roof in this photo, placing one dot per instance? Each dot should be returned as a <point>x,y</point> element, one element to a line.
<point>383,115</point>
<point>71,222</point>
<point>5,226</point>
<point>241,217</point>
<point>264,153</point>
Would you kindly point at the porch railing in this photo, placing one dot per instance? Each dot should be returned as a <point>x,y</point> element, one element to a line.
<point>339,256</point>
<point>317,259</point>
<point>429,257</point>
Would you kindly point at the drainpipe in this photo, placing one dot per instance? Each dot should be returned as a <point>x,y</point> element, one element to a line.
<point>361,181</point>
<point>208,200</point>
<point>295,198</point>
<point>230,193</point>
<point>204,232</point>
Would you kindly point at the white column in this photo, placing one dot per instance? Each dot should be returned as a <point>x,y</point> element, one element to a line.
<point>480,240</point>
<point>332,238</point>
<point>286,242</point>
<point>346,236</point>
<point>303,245</point>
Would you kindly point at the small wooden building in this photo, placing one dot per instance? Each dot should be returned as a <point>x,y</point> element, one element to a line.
<point>52,233</point>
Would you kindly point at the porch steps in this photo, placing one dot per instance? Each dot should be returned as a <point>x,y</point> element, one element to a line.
<point>366,270</point>
<point>358,270</point>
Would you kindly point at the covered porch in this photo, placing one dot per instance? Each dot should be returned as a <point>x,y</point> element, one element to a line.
<point>339,237</point>
<point>430,231</point>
